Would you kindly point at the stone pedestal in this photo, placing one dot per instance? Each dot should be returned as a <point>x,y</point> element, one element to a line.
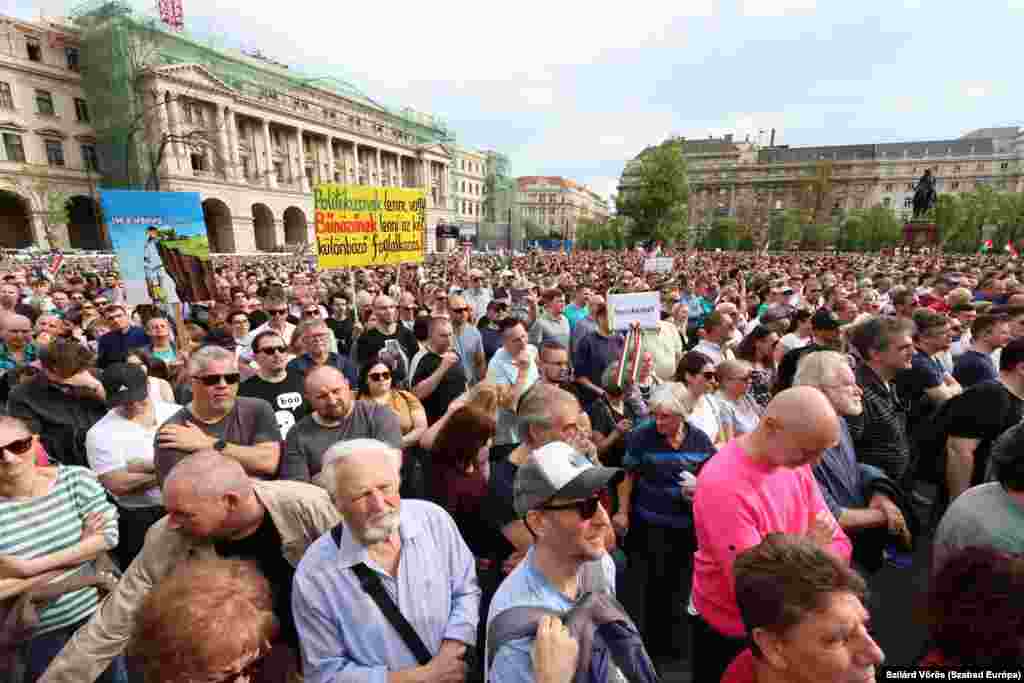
<point>920,234</point>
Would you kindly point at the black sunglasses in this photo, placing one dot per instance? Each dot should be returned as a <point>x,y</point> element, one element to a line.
<point>273,349</point>
<point>379,376</point>
<point>214,380</point>
<point>585,508</point>
<point>18,446</point>
<point>708,375</point>
<point>278,311</point>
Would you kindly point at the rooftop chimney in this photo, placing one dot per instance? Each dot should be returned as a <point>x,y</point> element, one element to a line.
<point>771,143</point>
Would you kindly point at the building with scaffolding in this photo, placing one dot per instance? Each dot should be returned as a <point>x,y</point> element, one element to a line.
<point>251,136</point>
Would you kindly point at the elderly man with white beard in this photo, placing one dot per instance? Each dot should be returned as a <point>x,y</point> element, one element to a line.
<point>860,496</point>
<point>404,555</point>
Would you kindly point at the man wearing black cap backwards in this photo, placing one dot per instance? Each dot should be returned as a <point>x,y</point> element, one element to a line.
<point>825,336</point>
<point>556,494</point>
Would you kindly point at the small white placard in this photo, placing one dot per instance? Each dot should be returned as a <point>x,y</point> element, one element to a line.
<point>642,307</point>
<point>658,264</point>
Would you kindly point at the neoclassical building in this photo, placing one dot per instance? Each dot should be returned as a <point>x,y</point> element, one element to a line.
<point>748,182</point>
<point>557,204</point>
<point>252,137</point>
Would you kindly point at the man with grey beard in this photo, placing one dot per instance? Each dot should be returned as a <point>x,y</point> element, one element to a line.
<point>408,552</point>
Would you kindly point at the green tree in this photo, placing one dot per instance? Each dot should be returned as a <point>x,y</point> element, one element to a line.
<point>724,235</point>
<point>655,199</point>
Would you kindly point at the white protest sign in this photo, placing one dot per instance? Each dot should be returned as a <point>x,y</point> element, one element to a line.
<point>642,307</point>
<point>659,264</point>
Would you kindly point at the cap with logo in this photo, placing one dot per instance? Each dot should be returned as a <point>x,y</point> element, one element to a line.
<point>124,383</point>
<point>557,470</point>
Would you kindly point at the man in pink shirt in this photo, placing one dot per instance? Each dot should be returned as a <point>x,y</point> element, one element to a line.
<point>757,484</point>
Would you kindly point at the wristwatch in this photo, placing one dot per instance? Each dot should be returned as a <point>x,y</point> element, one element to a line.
<point>219,445</point>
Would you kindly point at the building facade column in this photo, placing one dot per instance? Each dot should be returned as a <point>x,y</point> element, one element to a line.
<point>233,155</point>
<point>380,171</point>
<point>223,147</point>
<point>169,159</point>
<point>267,167</point>
<point>303,179</point>
<point>356,175</point>
<point>177,148</point>
<point>330,159</point>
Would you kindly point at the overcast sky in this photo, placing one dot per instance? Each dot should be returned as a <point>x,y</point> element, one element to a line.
<point>576,89</point>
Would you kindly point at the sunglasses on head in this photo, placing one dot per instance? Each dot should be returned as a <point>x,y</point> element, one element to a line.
<point>214,380</point>
<point>585,508</point>
<point>379,376</point>
<point>268,350</point>
<point>18,446</point>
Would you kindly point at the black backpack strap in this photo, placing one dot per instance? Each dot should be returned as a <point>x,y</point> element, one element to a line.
<point>374,587</point>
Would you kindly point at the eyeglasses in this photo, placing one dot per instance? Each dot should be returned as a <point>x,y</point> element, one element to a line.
<point>213,380</point>
<point>269,350</point>
<point>585,508</point>
<point>312,311</point>
<point>710,374</point>
<point>278,311</point>
<point>379,376</point>
<point>18,446</point>
<point>460,310</point>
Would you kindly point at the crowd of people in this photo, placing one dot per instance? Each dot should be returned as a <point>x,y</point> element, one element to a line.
<point>460,470</point>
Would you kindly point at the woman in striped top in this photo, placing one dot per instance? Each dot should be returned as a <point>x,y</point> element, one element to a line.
<point>53,522</point>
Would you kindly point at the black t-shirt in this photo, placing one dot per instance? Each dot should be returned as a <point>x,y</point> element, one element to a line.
<point>911,384</point>
<point>342,330</point>
<point>257,318</point>
<point>973,367</point>
<point>372,342</point>
<point>982,412</point>
<point>285,398</point>
<point>264,549</point>
<point>451,386</point>
<point>787,366</point>
<point>498,508</point>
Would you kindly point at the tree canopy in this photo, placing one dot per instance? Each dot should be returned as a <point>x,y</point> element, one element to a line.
<point>656,195</point>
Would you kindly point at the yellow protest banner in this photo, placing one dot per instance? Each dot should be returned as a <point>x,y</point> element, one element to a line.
<point>369,226</point>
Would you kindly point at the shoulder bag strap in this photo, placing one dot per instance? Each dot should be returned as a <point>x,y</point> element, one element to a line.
<point>373,586</point>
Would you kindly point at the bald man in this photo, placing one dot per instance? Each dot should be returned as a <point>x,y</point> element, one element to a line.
<point>213,509</point>
<point>16,347</point>
<point>336,416</point>
<point>757,484</point>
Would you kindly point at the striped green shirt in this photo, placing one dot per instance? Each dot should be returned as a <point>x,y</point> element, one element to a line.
<point>51,523</point>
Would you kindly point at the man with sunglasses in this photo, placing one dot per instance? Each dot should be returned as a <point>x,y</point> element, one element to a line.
<point>244,429</point>
<point>274,382</point>
<point>276,308</point>
<point>466,339</point>
<point>556,496</point>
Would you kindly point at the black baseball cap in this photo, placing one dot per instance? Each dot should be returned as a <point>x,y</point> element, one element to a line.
<point>824,320</point>
<point>124,383</point>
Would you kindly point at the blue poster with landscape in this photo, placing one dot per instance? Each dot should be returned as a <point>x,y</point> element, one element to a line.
<point>161,244</point>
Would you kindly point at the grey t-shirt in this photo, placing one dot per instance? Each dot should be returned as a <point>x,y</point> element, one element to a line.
<point>250,422</point>
<point>545,329</point>
<point>308,440</point>
<point>983,515</point>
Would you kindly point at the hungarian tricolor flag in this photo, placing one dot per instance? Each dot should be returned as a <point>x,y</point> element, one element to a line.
<point>986,246</point>
<point>1010,249</point>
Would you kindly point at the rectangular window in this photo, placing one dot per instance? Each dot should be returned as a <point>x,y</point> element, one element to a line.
<point>44,103</point>
<point>89,159</point>
<point>12,148</point>
<point>1005,165</point>
<point>246,170</point>
<point>186,109</point>
<point>54,152</point>
<point>888,187</point>
<point>956,185</point>
<point>198,161</point>
<point>35,50</point>
<point>71,55</point>
<point>81,110</point>
<point>6,98</point>
<point>279,171</point>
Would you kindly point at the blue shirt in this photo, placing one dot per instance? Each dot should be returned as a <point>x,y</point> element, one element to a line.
<point>527,587</point>
<point>343,633</point>
<point>114,345</point>
<point>657,491</point>
<point>7,360</point>
<point>303,364</point>
<point>502,370</point>
<point>575,313</point>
